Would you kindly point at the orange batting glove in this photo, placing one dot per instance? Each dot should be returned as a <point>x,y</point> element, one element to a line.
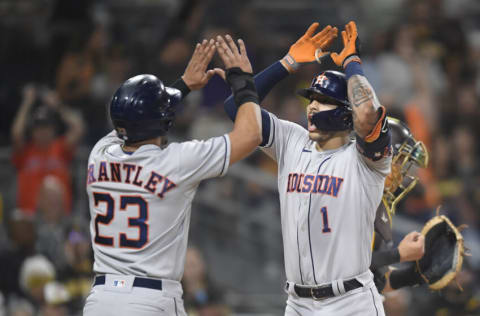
<point>309,47</point>
<point>351,49</point>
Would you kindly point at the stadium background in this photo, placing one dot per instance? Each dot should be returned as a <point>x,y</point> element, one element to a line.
<point>421,56</point>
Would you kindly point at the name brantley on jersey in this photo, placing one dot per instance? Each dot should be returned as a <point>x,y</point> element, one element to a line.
<point>130,174</point>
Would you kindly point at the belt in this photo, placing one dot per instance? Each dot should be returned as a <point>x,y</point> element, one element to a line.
<point>325,291</point>
<point>138,282</point>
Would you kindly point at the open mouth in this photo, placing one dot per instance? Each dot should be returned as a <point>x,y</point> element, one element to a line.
<point>311,126</point>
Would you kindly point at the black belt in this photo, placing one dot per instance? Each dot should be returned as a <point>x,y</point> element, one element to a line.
<point>325,291</point>
<point>138,282</point>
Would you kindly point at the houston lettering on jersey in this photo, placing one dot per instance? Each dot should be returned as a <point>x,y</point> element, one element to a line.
<point>308,183</point>
<point>130,174</point>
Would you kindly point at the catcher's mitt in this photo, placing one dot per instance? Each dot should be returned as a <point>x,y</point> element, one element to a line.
<point>444,251</point>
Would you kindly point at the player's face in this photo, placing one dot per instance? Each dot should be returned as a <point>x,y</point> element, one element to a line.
<point>314,133</point>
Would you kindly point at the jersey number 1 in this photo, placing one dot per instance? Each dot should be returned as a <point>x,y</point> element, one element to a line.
<point>140,222</point>
<point>326,228</point>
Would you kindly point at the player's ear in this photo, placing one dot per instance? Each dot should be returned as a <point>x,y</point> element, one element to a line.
<point>122,132</point>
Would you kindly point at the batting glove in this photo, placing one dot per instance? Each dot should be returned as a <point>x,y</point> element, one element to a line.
<point>310,47</point>
<point>351,49</point>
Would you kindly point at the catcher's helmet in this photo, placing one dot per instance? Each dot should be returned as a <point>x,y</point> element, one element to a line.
<point>407,152</point>
<point>330,87</point>
<point>143,108</point>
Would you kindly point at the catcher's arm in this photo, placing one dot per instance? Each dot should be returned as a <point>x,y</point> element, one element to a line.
<point>410,248</point>
<point>398,278</point>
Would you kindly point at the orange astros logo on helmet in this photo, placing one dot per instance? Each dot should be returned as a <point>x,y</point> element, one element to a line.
<point>320,79</point>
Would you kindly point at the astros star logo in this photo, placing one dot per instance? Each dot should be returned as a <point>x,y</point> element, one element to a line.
<point>320,79</point>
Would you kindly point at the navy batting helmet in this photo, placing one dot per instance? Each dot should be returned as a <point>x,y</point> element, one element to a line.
<point>143,108</point>
<point>330,87</point>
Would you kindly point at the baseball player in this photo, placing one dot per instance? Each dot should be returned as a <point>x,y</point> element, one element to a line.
<point>408,153</point>
<point>140,189</point>
<point>329,184</point>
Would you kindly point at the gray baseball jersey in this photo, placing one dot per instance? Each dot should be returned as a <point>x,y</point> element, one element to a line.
<point>140,203</point>
<point>328,202</point>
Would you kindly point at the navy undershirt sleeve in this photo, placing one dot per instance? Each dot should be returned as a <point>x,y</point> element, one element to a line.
<point>264,82</point>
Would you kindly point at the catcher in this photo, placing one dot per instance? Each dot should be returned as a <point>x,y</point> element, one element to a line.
<point>437,250</point>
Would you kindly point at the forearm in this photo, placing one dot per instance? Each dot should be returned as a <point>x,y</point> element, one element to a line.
<point>75,124</point>
<point>264,83</point>
<point>246,134</point>
<point>362,97</point>
<point>248,124</point>
<point>247,130</point>
<point>20,122</point>
<point>404,277</point>
<point>381,258</point>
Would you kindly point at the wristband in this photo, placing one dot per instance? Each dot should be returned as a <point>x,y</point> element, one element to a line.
<point>351,58</point>
<point>182,86</point>
<point>290,61</point>
<point>243,86</point>
<point>354,67</point>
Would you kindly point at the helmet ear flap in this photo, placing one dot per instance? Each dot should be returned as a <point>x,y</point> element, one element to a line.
<point>338,119</point>
<point>121,133</point>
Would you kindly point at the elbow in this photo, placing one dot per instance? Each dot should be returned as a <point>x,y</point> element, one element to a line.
<point>255,138</point>
<point>258,138</point>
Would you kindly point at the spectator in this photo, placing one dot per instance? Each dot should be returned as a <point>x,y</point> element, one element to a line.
<point>76,275</point>
<point>51,224</point>
<point>35,273</point>
<point>200,296</point>
<point>20,307</point>
<point>45,152</point>
<point>22,237</point>
<point>77,67</point>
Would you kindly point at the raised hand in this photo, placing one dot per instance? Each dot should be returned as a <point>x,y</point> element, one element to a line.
<point>196,75</point>
<point>231,55</point>
<point>350,46</point>
<point>310,47</point>
<point>29,93</point>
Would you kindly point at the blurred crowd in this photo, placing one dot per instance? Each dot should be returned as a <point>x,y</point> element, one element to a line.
<point>61,61</point>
